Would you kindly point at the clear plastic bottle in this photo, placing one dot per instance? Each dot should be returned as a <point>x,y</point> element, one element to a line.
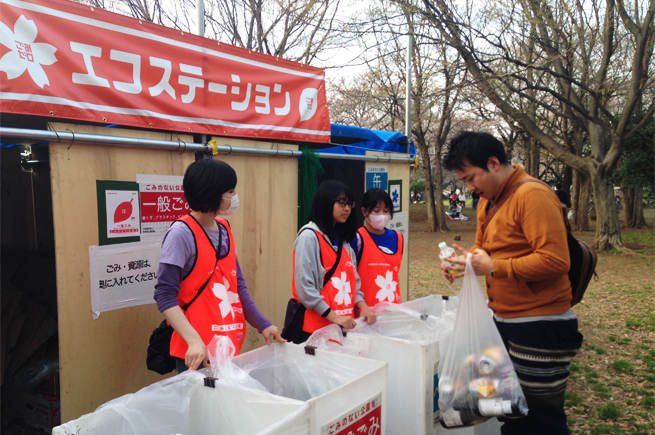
<point>446,253</point>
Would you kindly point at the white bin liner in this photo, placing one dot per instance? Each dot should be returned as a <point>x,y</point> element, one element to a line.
<point>281,373</point>
<point>398,321</point>
<point>331,338</point>
<point>345,393</point>
<point>296,377</point>
<point>184,405</point>
<point>221,352</point>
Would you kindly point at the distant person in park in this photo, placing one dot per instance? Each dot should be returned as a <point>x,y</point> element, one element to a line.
<point>379,250</point>
<point>453,197</point>
<point>475,197</point>
<point>523,254</point>
<point>563,196</point>
<point>323,247</point>
<point>462,200</point>
<point>199,255</point>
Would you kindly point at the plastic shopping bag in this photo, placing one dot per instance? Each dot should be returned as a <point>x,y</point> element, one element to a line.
<point>477,380</point>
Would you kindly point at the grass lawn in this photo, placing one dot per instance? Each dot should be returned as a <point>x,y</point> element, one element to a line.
<point>612,384</point>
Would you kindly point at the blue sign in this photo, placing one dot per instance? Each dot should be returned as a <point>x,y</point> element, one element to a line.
<point>377,179</point>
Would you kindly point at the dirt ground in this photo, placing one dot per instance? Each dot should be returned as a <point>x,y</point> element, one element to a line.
<point>612,384</point>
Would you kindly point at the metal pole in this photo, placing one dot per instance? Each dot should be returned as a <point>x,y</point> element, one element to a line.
<point>23,135</point>
<point>408,92</point>
<point>408,122</point>
<point>200,9</point>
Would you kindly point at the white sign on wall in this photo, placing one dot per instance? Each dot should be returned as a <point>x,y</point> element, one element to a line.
<point>123,275</point>
<point>122,213</point>
<point>162,202</point>
<point>399,223</point>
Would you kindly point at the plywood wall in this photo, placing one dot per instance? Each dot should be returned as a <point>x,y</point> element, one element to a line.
<point>105,358</point>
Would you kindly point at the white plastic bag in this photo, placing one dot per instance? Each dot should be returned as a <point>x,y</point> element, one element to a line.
<point>477,380</point>
<point>331,338</point>
<point>221,352</point>
<point>184,405</point>
<point>398,321</point>
<point>293,375</point>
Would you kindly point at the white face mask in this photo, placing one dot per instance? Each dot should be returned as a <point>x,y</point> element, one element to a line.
<point>378,221</point>
<point>234,203</point>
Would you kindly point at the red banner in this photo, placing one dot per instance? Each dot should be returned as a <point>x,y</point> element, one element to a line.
<point>68,60</point>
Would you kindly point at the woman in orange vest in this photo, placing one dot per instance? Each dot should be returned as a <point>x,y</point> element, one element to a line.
<point>199,259</point>
<point>379,250</point>
<point>318,246</point>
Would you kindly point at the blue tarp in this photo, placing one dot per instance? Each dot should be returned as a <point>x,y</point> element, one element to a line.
<point>358,140</point>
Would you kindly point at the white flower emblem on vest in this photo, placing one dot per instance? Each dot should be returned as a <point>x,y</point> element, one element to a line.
<point>343,289</point>
<point>227,297</point>
<point>25,54</point>
<point>387,287</point>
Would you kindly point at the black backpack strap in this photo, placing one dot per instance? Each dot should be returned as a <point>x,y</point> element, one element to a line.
<point>201,289</point>
<point>333,269</point>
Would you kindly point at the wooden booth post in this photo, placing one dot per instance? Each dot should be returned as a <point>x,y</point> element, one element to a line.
<point>105,358</point>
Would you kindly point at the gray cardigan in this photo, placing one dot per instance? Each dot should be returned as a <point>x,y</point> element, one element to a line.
<point>309,272</point>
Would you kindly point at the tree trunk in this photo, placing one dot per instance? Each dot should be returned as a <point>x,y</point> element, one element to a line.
<point>638,219</point>
<point>608,233</point>
<point>535,158</point>
<point>628,205</point>
<point>441,212</point>
<point>429,184</point>
<point>567,179</point>
<point>580,202</point>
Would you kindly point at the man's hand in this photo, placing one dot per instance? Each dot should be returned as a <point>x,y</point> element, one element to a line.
<point>461,260</point>
<point>480,260</point>
<point>272,331</point>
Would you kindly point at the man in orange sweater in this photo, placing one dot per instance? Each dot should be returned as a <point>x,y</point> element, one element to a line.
<point>523,254</point>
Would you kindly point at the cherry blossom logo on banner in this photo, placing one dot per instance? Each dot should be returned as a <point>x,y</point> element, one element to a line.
<point>25,54</point>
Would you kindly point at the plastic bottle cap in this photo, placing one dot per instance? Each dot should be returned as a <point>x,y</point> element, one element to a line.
<point>443,245</point>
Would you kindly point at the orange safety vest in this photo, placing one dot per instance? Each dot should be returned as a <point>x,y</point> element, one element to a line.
<point>218,310</point>
<point>339,293</point>
<point>378,271</point>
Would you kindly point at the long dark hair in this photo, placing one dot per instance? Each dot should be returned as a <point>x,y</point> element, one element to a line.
<point>322,211</point>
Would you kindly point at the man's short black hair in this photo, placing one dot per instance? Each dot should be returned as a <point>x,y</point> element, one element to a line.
<point>322,211</point>
<point>374,196</point>
<point>205,182</point>
<point>558,186</point>
<point>473,148</point>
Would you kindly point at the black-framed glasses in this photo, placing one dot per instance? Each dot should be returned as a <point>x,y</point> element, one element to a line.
<point>344,202</point>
